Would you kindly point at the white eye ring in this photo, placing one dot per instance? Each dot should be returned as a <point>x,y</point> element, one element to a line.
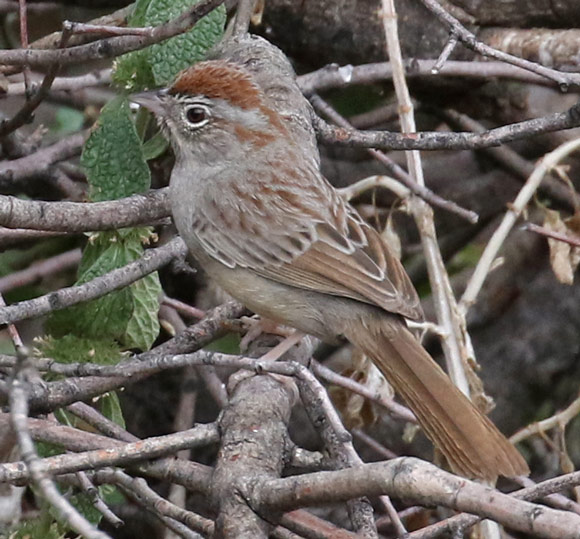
<point>197,115</point>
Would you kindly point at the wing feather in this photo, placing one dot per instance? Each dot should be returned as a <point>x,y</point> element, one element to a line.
<point>308,239</point>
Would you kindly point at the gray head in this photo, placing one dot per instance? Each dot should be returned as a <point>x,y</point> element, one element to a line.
<point>213,110</point>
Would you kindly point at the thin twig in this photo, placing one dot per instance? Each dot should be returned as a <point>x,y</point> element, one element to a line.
<point>435,140</point>
<point>244,14</point>
<point>18,401</point>
<point>38,270</point>
<point>112,46</point>
<point>565,80</point>
<point>41,160</point>
<point>546,164</point>
<point>560,420</point>
<point>333,76</point>
<point>151,261</point>
<point>444,299</point>
<point>542,231</point>
<point>418,189</point>
<point>24,114</point>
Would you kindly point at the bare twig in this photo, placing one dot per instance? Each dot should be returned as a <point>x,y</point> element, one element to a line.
<point>19,421</point>
<point>119,454</point>
<point>31,104</point>
<point>45,397</point>
<point>405,178</point>
<point>571,240</point>
<point>244,13</point>
<point>510,159</point>
<point>112,46</point>
<point>39,161</point>
<point>94,78</point>
<point>547,163</point>
<point>434,140</point>
<point>175,518</point>
<point>565,80</point>
<point>84,217</point>
<point>40,269</point>
<point>396,409</point>
<point>559,420</point>
<point>91,491</point>
<point>444,299</point>
<point>151,261</point>
<point>333,76</point>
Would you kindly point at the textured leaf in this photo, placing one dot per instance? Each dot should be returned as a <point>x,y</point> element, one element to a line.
<point>72,349</point>
<point>128,315</point>
<point>167,59</point>
<point>132,70</point>
<point>111,408</point>
<point>155,146</point>
<point>564,258</point>
<point>143,326</point>
<point>112,156</point>
<point>84,505</point>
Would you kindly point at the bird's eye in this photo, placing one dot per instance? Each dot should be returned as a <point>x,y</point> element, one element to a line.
<point>197,115</point>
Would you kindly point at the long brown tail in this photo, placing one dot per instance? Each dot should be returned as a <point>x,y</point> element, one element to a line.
<point>469,440</point>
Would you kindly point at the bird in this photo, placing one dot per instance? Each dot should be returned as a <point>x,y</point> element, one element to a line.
<point>251,204</point>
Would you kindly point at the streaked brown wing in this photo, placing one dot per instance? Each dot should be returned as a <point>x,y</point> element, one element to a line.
<point>302,233</point>
<point>357,265</point>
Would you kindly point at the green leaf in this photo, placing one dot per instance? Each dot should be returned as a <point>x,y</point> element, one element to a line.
<point>67,120</point>
<point>72,349</point>
<point>36,528</point>
<point>128,315</point>
<point>102,318</point>
<point>143,326</point>
<point>167,59</point>
<point>137,18</point>
<point>46,449</point>
<point>111,408</point>
<point>84,505</point>
<point>112,156</point>
<point>132,71</point>
<point>155,146</point>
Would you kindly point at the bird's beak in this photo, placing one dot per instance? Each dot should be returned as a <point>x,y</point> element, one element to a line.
<point>152,100</point>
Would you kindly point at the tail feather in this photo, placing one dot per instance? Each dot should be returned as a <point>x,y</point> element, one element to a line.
<point>472,444</point>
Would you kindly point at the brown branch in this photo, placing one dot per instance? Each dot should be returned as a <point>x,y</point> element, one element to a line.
<point>32,102</point>
<point>151,261</point>
<point>109,47</point>
<point>117,454</point>
<point>420,190</point>
<point>37,162</point>
<point>511,160</point>
<point>32,464</point>
<point>178,520</point>
<point>565,80</point>
<point>253,448</point>
<point>433,140</point>
<point>95,78</point>
<point>83,217</point>
<point>421,482</point>
<point>332,76</point>
<point>45,397</point>
<point>566,238</point>
<point>40,269</point>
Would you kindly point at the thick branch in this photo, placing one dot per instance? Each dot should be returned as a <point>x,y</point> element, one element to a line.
<point>152,260</point>
<point>412,479</point>
<point>426,140</point>
<point>110,47</point>
<point>83,217</point>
